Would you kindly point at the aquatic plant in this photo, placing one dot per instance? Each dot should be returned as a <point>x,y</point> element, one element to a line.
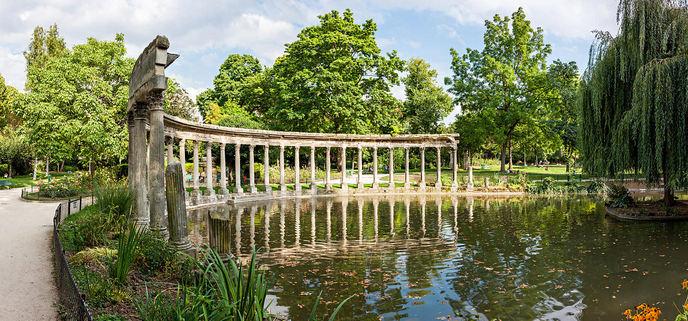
<point>127,247</point>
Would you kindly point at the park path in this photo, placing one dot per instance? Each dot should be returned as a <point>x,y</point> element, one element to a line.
<point>27,288</point>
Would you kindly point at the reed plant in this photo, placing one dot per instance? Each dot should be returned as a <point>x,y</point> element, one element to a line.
<point>114,198</point>
<point>127,247</point>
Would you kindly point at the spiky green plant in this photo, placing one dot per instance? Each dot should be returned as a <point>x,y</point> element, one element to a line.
<point>113,198</point>
<point>127,247</point>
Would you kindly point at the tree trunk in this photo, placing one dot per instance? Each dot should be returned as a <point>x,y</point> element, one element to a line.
<point>668,191</point>
<point>35,167</point>
<point>511,158</point>
<point>47,166</point>
<point>9,169</point>
<point>568,166</point>
<point>525,161</point>
<point>502,158</point>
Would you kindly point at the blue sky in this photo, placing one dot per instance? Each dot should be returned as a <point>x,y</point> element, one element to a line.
<point>205,32</point>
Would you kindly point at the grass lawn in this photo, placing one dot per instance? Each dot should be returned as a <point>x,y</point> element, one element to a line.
<point>27,180</point>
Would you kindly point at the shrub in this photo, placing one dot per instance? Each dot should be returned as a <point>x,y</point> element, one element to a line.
<point>597,187</point>
<point>87,228</point>
<point>155,307</point>
<point>127,247</point>
<point>156,255</point>
<point>618,196</point>
<point>98,290</point>
<point>114,198</point>
<point>62,188</point>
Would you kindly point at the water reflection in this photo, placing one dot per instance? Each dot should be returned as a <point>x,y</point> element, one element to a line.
<point>426,258</point>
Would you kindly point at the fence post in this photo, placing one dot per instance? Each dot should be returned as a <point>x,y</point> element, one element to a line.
<point>80,197</point>
<point>69,206</point>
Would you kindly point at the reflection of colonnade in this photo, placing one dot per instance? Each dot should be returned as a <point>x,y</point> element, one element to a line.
<point>329,223</point>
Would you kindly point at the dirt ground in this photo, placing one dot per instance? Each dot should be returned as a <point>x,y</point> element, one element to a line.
<point>27,288</point>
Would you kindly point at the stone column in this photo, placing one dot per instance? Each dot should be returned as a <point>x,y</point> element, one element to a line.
<point>170,150</point>
<point>328,165</point>
<point>196,182</point>
<point>297,169</point>
<point>407,176</point>
<point>156,167</point>
<point>342,159</point>
<point>283,184</point>
<point>251,168</point>
<point>139,167</point>
<point>209,179</point>
<point>266,168</point>
<point>359,180</point>
<point>422,168</point>
<point>376,184</point>
<point>223,169</point>
<point>314,185</point>
<point>438,184</point>
<point>176,207</point>
<point>455,168</point>
<point>237,169</point>
<point>131,162</point>
<point>182,158</point>
<point>391,168</point>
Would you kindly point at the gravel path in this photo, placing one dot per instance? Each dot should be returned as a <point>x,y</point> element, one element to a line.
<point>27,288</point>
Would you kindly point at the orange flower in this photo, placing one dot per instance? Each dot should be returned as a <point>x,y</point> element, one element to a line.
<point>684,284</point>
<point>685,307</point>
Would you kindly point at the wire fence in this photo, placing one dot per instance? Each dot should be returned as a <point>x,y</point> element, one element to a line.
<point>72,303</point>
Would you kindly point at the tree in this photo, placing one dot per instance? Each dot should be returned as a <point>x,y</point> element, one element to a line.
<point>8,98</point>
<point>426,103</point>
<point>14,150</point>
<point>44,45</point>
<point>334,78</point>
<point>178,103</point>
<point>563,78</point>
<point>634,96</point>
<point>500,81</point>
<point>76,104</point>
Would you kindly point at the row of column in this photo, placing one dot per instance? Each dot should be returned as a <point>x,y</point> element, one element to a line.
<point>297,168</point>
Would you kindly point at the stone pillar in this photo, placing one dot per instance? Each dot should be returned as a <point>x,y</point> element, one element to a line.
<point>328,166</point>
<point>359,179</point>
<point>196,182</point>
<point>455,168</point>
<point>314,185</point>
<point>131,162</point>
<point>438,184</point>
<point>422,168</point>
<point>139,167</point>
<point>252,170</point>
<point>170,150</point>
<point>407,176</point>
<point>182,158</point>
<point>209,179</point>
<point>156,167</point>
<point>297,169</point>
<point>342,159</point>
<point>376,183</point>
<point>223,169</point>
<point>283,184</point>
<point>469,186</point>
<point>391,168</point>
<point>266,168</point>
<point>237,169</point>
<point>176,207</point>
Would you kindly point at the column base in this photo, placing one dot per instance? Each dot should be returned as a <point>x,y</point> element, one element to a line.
<point>297,187</point>
<point>224,191</point>
<point>314,189</point>
<point>183,246</point>
<point>422,186</point>
<point>376,185</point>
<point>360,185</point>
<point>268,188</point>
<point>254,189</point>
<point>345,188</point>
<point>469,187</point>
<point>196,197</point>
<point>141,224</point>
<point>454,187</point>
<point>160,231</point>
<point>407,186</point>
<point>438,186</point>
<point>328,187</point>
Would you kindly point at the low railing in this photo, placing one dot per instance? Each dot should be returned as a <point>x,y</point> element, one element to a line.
<point>72,303</point>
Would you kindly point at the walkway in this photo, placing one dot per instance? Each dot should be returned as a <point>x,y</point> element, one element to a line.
<point>27,287</point>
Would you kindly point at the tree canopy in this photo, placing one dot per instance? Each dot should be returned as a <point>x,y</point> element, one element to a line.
<point>427,104</point>
<point>634,96</point>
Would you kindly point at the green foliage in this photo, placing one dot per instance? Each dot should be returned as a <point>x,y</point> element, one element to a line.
<point>15,150</point>
<point>60,188</point>
<point>178,103</point>
<point>8,98</point>
<point>427,104</point>
<point>505,89</point>
<point>231,115</point>
<point>619,196</point>
<point>597,187</point>
<point>156,306</point>
<point>114,199</point>
<point>76,103</point>
<point>633,98</point>
<point>43,46</point>
<point>313,316</point>
<point>158,257</point>
<point>87,228</point>
<point>334,78</point>
<point>127,249</point>
<point>98,290</point>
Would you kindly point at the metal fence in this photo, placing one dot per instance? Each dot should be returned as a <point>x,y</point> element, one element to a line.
<point>73,305</point>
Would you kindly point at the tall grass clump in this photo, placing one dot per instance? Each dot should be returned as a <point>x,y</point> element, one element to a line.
<point>127,247</point>
<point>113,198</point>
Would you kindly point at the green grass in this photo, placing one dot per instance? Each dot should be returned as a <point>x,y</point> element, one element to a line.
<point>27,180</point>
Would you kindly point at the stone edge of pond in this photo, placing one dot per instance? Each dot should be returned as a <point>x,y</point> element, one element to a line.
<point>616,214</point>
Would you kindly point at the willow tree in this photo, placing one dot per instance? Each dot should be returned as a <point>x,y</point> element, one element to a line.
<point>634,96</point>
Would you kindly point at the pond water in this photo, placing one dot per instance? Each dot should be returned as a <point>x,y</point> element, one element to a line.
<point>429,258</point>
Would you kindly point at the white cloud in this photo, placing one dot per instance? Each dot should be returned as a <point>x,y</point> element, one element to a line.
<point>12,68</point>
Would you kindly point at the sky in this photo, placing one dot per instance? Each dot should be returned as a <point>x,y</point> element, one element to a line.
<point>204,32</point>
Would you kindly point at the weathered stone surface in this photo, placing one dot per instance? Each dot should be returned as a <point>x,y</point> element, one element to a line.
<point>176,207</point>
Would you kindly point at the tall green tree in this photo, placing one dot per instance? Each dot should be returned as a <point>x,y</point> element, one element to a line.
<point>8,99</point>
<point>43,45</point>
<point>178,103</point>
<point>634,96</point>
<point>500,81</point>
<point>426,104</point>
<point>334,78</point>
<point>76,104</point>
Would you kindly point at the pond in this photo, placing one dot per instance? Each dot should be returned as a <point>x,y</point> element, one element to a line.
<point>427,258</point>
